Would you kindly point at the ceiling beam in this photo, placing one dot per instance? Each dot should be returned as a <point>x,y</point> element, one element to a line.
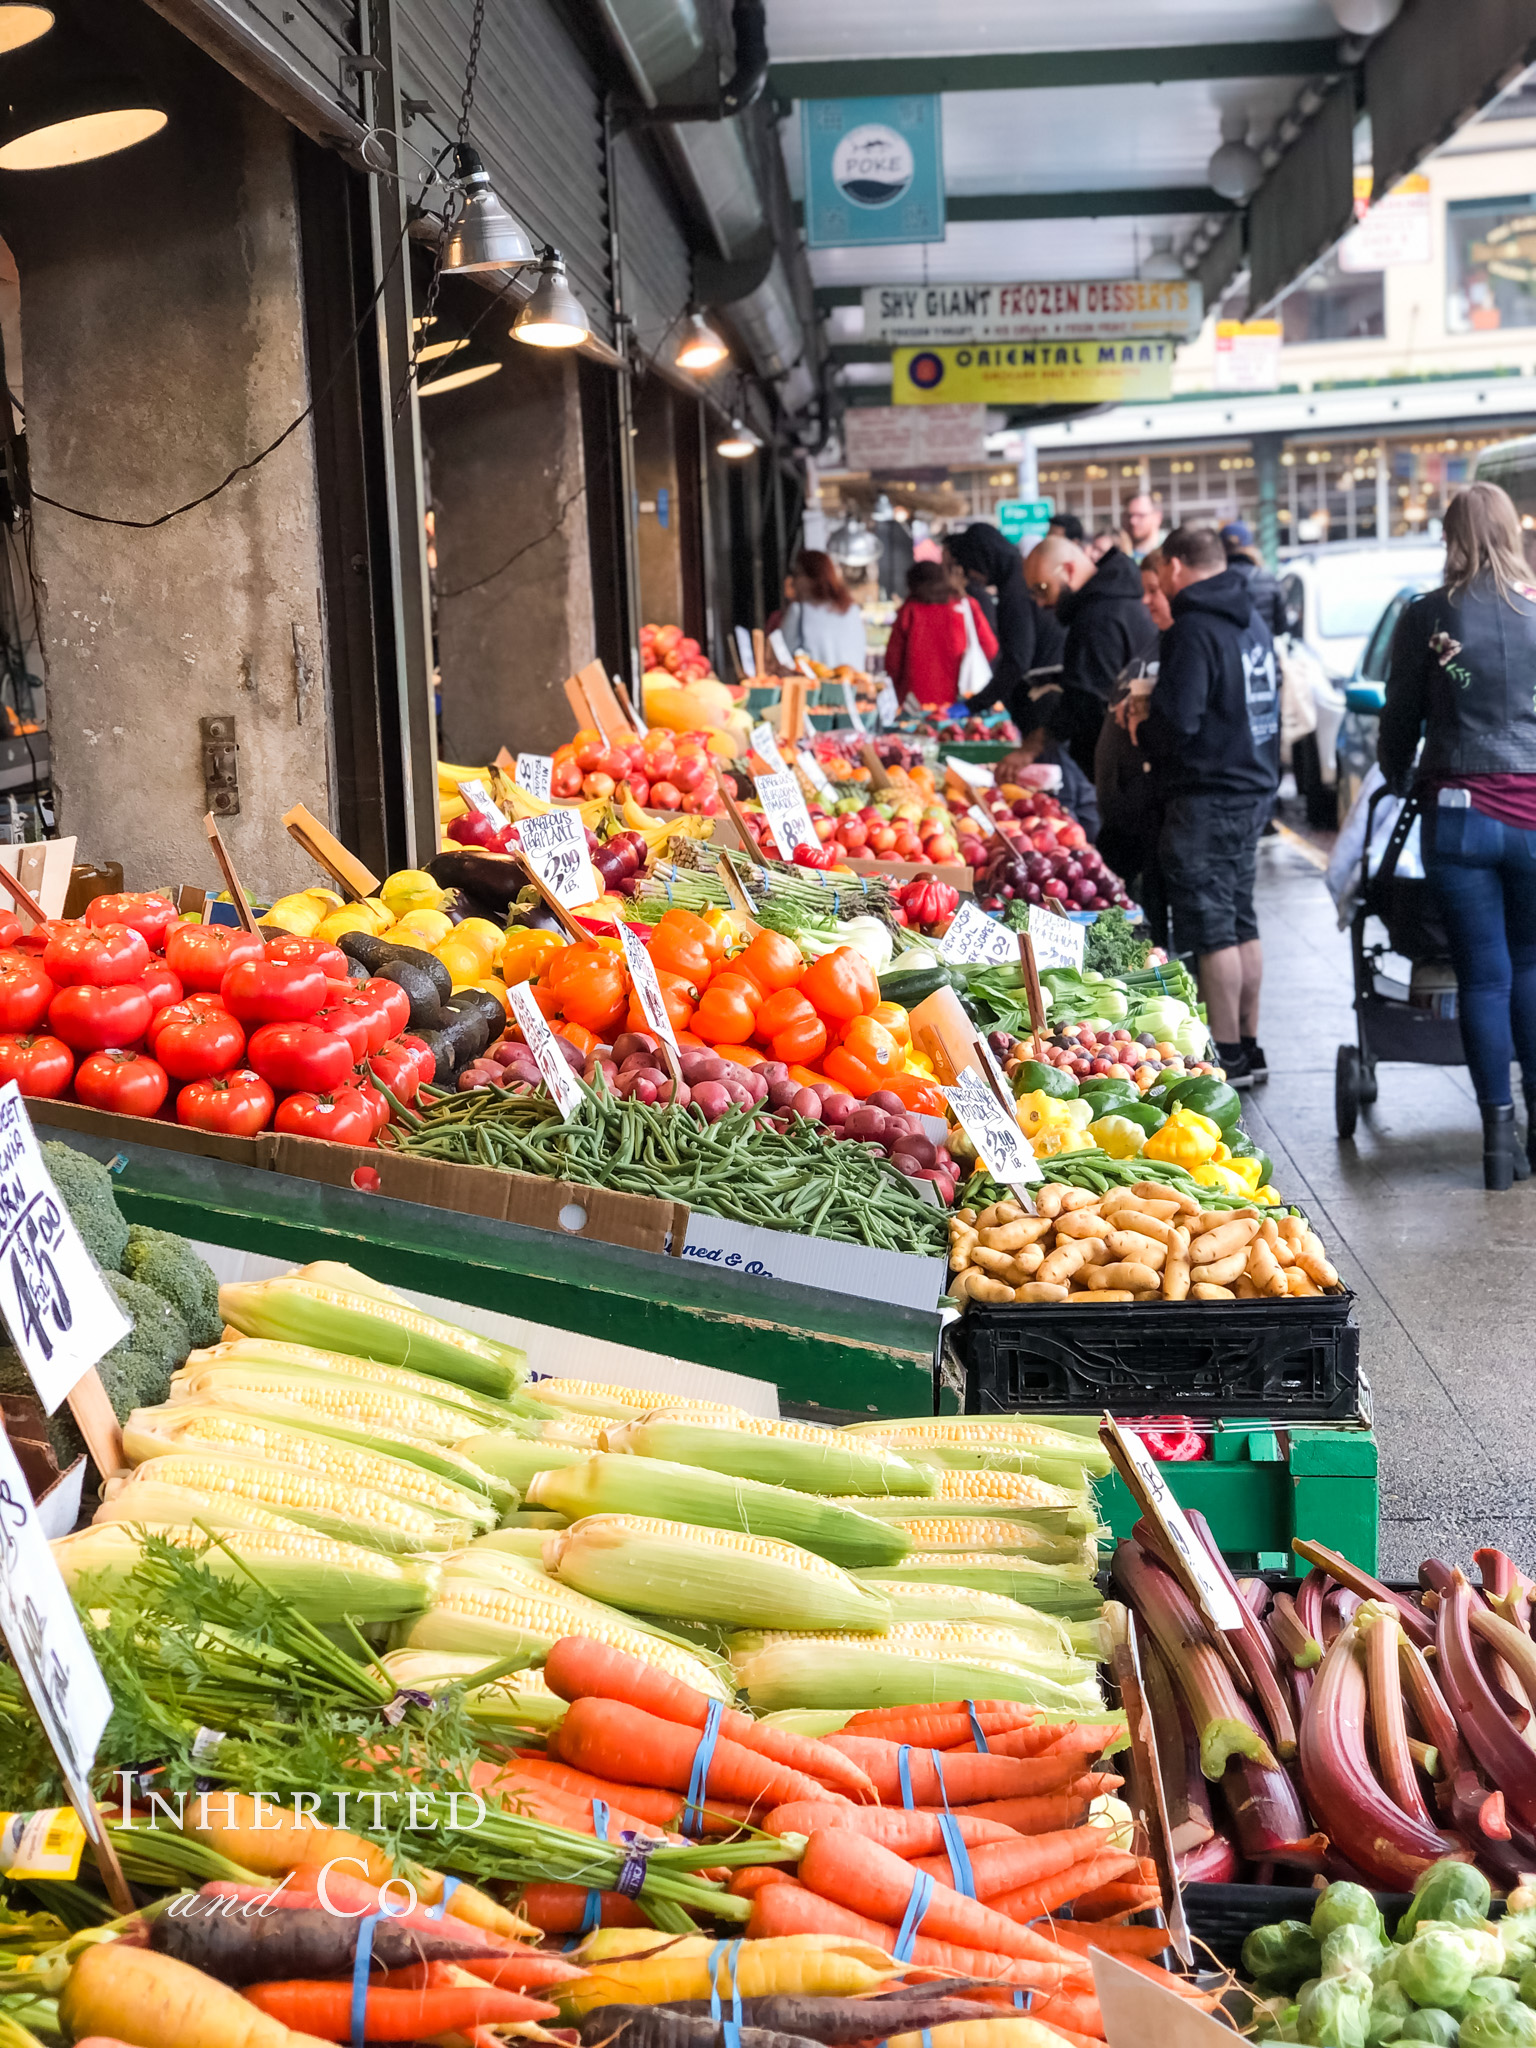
<point>1155,199</point>
<point>831,78</point>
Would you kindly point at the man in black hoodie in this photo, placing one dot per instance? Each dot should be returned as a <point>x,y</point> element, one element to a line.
<point>1108,625</point>
<point>1213,731</point>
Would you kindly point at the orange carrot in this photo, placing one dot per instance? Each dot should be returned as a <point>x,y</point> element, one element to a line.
<point>860,1874</point>
<point>323,2007</point>
<point>966,1780</point>
<point>1044,1738</point>
<point>1053,1810</point>
<point>780,1909</point>
<point>613,1740</point>
<point>909,1834</point>
<point>1006,1866</point>
<point>910,1724</point>
<point>1125,1942</point>
<point>561,1908</point>
<point>579,1668</point>
<point>656,1809</point>
<point>1029,1901</point>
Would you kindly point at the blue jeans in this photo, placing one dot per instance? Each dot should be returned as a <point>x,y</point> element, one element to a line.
<point>1485,875</point>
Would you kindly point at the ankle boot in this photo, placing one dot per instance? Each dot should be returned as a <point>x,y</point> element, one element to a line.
<point>1498,1146</point>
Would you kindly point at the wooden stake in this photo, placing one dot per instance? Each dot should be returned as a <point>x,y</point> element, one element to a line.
<point>1032,992</point>
<point>749,845</point>
<point>22,896</point>
<point>345,870</point>
<point>243,909</point>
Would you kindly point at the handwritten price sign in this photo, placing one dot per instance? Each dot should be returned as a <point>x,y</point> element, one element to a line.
<point>1057,941</point>
<point>535,772</point>
<point>540,1041</point>
<point>784,808</point>
<point>975,940</point>
<point>555,847</point>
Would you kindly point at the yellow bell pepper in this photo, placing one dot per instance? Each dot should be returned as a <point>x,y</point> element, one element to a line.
<point>1187,1139</point>
<point>1119,1136</point>
<point>1054,1126</point>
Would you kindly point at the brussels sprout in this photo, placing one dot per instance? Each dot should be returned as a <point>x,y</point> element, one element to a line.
<point>1499,2026</point>
<point>1436,1967</point>
<point>1334,2012</point>
<point>1517,1938</point>
<point>1391,2008</point>
<point>1351,1947</point>
<point>1284,1954</point>
<point>1347,1905</point>
<point>1441,1886</point>
<point>1432,2025</point>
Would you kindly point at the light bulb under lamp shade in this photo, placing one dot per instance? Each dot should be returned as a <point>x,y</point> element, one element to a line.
<point>554,316</point>
<point>484,236</point>
<point>455,376</point>
<point>22,23</point>
<point>702,349</point>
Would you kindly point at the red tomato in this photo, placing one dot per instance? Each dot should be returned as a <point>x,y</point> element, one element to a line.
<point>161,986</point>
<point>93,1019</point>
<point>126,1082</point>
<point>300,1056</point>
<point>96,956</point>
<point>10,929</point>
<point>402,1066</point>
<point>273,991</point>
<point>345,1117</point>
<point>202,954</point>
<point>39,1065</point>
<point>25,993</point>
<point>193,1044</point>
<point>142,911</point>
<point>359,1019</point>
<point>311,953</point>
<point>397,1004</point>
<point>238,1104</point>
<point>378,1103</point>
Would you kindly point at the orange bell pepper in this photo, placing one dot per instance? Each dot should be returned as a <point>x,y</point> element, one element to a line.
<point>679,995</point>
<point>728,1008</point>
<point>894,1018</point>
<point>787,1023</point>
<point>870,1042</point>
<point>773,962</point>
<point>852,1073</point>
<point>591,987</point>
<point>841,985</point>
<point>684,944</point>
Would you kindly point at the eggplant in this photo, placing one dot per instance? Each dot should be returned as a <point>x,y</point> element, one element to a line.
<point>421,987</point>
<point>494,877</point>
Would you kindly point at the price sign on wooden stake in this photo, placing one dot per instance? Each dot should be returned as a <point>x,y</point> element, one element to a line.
<point>540,1041</point>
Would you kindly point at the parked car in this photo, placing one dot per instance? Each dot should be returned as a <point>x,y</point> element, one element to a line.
<point>1336,597</point>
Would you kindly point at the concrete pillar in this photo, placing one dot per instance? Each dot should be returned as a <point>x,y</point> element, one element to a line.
<point>163,339</point>
<point>514,575</point>
<point>1266,462</point>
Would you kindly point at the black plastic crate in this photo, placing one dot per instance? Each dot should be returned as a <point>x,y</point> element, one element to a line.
<point>1294,1360</point>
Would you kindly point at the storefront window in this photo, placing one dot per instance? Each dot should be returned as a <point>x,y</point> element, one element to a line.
<point>1335,305</point>
<point>1490,264</point>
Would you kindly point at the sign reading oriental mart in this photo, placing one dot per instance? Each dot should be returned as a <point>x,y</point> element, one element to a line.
<point>1033,373</point>
<point>1112,309</point>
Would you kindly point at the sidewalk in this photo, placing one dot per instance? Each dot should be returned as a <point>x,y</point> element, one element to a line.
<point>1447,1306</point>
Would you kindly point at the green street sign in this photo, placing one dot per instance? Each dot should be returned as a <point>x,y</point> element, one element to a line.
<point>1021,519</point>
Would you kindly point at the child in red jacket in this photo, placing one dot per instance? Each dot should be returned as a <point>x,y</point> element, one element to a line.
<point>929,639</point>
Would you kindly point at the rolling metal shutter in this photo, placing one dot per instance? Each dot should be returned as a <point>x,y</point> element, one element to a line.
<point>655,266</point>
<point>537,123</point>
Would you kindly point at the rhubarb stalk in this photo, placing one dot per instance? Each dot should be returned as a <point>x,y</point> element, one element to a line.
<point>1195,1663</point>
<point>1415,1624</point>
<point>1381,1632</point>
<point>1388,1846</point>
<point>1491,1735</point>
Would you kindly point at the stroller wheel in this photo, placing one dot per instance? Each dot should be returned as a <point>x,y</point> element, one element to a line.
<point>1347,1090</point>
<point>1368,1089</point>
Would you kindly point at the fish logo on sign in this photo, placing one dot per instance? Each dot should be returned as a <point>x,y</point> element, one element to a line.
<point>873,166</point>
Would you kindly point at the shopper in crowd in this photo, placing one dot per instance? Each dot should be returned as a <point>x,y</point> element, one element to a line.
<point>1461,672</point>
<point>1107,626</point>
<point>1022,639</point>
<point>933,630</point>
<point>1211,728</point>
<point>823,621</point>
<point>1144,525</point>
<point>1066,526</point>
<point>1263,588</point>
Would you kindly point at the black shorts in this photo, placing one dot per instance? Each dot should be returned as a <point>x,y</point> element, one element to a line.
<point>1208,852</point>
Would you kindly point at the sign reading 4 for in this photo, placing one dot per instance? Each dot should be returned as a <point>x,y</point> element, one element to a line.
<point>874,170</point>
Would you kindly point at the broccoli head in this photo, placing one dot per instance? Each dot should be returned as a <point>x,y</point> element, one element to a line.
<point>136,1373</point>
<point>86,1189</point>
<point>167,1263</point>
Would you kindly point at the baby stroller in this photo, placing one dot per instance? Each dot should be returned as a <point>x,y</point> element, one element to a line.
<point>1416,1022</point>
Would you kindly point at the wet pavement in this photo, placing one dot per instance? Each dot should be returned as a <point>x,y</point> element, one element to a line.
<point>1442,1269</point>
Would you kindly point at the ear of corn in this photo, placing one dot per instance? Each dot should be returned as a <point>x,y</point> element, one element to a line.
<point>720,1575</point>
<point>188,1425</point>
<point>612,1484</point>
<point>309,1312</point>
<point>854,1675</point>
<point>473,1618</point>
<point>331,1505</point>
<point>793,1454</point>
<point>622,1404</point>
<point>517,1459</point>
<point>267,1355</point>
<point>322,1578</point>
<point>1066,1590</point>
